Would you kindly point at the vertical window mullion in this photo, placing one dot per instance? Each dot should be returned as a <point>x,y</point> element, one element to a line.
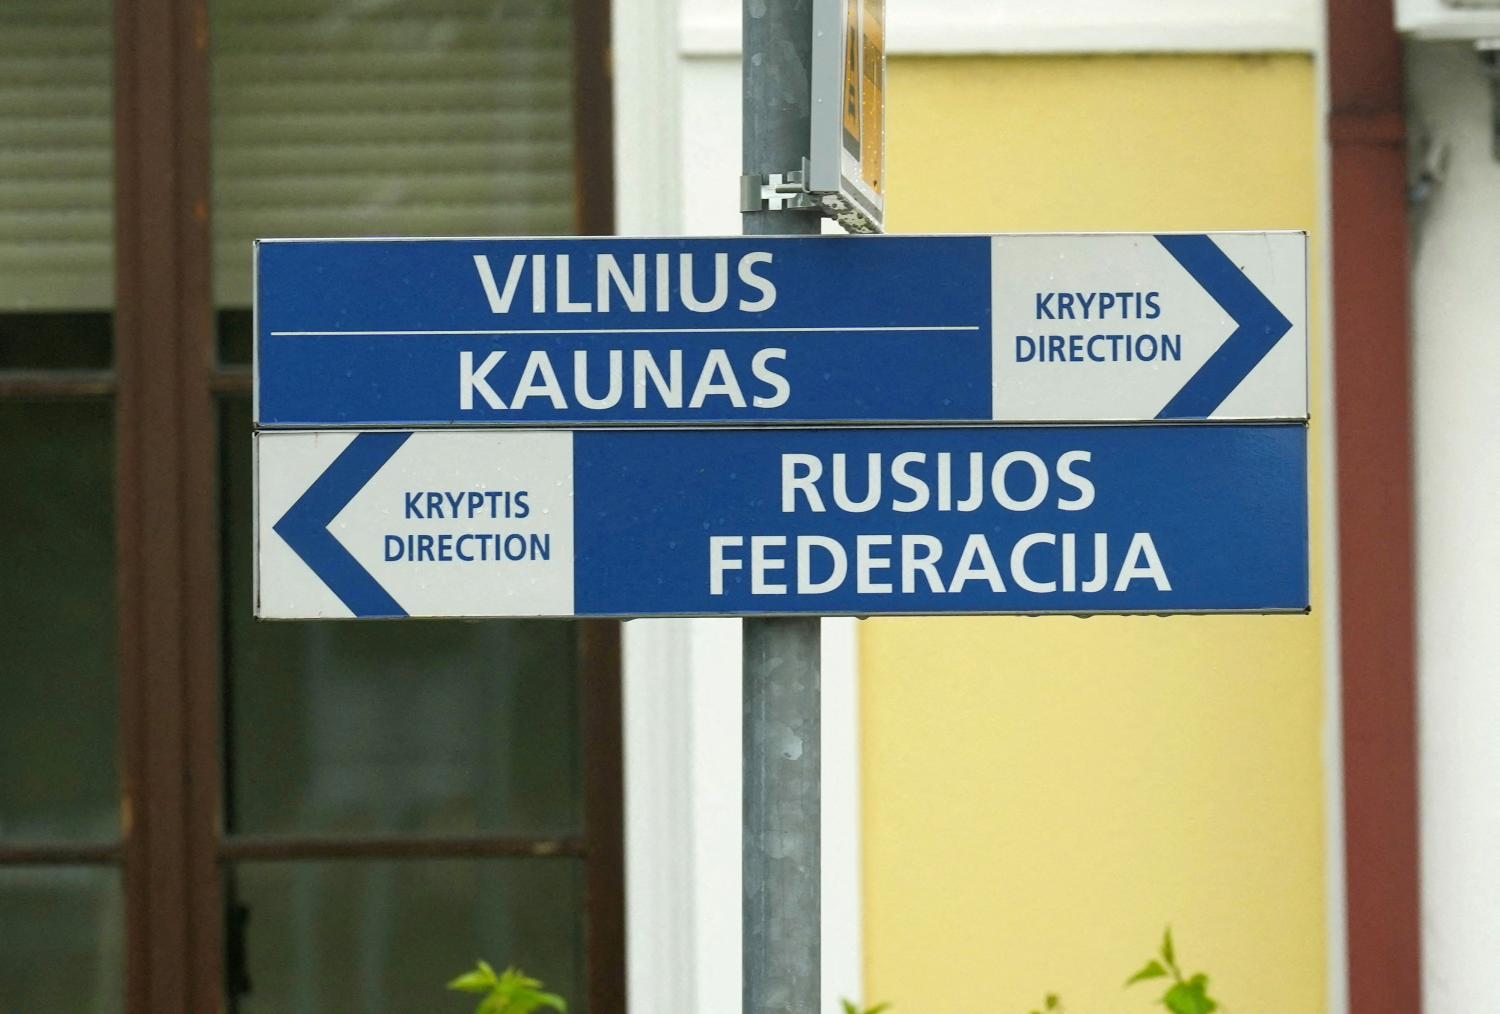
<point>593,119</point>
<point>600,700</point>
<point>168,560</point>
<point>600,666</point>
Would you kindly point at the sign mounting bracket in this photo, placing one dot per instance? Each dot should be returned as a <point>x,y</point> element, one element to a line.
<point>788,192</point>
<point>777,192</point>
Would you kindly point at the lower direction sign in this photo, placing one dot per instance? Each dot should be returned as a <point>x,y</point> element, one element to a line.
<point>490,523</point>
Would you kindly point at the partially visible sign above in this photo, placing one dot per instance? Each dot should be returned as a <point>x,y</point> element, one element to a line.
<point>637,522</point>
<point>747,330</point>
<point>847,147</point>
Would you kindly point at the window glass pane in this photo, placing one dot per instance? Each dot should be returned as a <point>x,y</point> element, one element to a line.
<point>410,727</point>
<point>58,692</point>
<point>236,337</point>
<point>61,939</point>
<point>387,935</point>
<point>55,341</point>
<point>399,118</point>
<point>56,183</point>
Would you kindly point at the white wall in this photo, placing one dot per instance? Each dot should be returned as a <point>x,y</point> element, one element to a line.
<point>1056,26</point>
<point>1456,292</point>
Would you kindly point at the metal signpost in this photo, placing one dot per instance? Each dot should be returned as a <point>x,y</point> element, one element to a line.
<point>781,675</point>
<point>784,426</point>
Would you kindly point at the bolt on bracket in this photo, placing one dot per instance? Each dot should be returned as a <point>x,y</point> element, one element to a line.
<point>776,192</point>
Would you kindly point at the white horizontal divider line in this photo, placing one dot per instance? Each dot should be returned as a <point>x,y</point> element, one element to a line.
<point>622,330</point>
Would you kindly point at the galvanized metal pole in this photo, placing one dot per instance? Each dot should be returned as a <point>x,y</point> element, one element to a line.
<point>783,727</point>
<point>780,853</point>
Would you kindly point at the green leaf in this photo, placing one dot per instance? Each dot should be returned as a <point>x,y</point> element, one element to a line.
<point>1052,1001</point>
<point>511,992</point>
<point>515,979</point>
<point>470,982</point>
<point>849,1007</point>
<point>1190,997</point>
<point>1153,970</point>
<point>554,1001</point>
<point>1167,951</point>
<point>480,980</point>
<point>522,1002</point>
<point>523,999</point>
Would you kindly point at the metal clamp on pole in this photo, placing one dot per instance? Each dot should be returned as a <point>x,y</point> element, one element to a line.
<point>777,192</point>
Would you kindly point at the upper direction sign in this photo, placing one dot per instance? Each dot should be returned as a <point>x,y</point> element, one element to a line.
<point>743,330</point>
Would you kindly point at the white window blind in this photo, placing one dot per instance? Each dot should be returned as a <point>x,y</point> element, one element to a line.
<point>389,118</point>
<point>56,155</point>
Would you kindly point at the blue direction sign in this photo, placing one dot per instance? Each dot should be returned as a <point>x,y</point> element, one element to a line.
<point>641,522</point>
<point>1068,328</point>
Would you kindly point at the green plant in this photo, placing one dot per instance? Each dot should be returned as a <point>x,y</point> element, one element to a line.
<point>1186,995</point>
<point>511,992</point>
<point>1051,1003</point>
<point>851,1008</point>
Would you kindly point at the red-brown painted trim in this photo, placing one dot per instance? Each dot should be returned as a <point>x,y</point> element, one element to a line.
<point>593,119</point>
<point>198,472</point>
<point>1372,356</point>
<point>168,570</point>
<point>601,714</point>
<point>600,658</point>
<point>287,848</point>
<point>20,853</point>
<point>56,383</point>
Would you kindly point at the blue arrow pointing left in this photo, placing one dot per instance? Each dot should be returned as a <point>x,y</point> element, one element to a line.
<point>305,526</point>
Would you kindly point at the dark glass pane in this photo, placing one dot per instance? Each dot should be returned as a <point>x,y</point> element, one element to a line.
<point>61,940</point>
<point>384,936</point>
<point>236,337</point>
<point>58,691</point>
<point>54,341</point>
<point>397,727</point>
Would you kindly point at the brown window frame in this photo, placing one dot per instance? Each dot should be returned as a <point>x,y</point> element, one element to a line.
<point>172,848</point>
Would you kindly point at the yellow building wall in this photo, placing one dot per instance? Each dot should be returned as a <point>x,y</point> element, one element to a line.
<point>1043,796</point>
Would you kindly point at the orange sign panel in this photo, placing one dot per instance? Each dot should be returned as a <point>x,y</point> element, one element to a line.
<point>872,113</point>
<point>853,103</point>
<point>847,144</point>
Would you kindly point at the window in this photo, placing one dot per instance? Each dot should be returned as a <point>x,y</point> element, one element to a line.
<point>61,889</point>
<point>198,810</point>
